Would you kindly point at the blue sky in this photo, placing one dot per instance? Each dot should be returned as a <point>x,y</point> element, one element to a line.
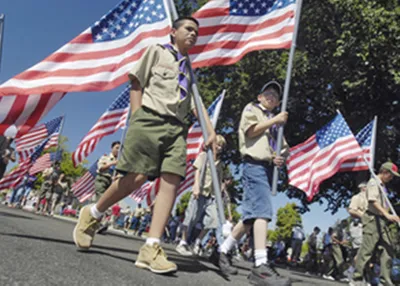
<point>34,29</point>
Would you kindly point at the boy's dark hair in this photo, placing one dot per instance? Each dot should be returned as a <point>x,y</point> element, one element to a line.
<point>115,143</point>
<point>179,22</point>
<point>317,229</point>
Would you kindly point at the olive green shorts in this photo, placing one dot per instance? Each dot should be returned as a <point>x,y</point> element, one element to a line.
<point>154,144</point>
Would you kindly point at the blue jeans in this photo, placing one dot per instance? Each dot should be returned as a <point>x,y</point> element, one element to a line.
<point>17,193</point>
<point>256,180</point>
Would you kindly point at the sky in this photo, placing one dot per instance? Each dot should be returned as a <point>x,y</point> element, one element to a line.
<point>35,29</point>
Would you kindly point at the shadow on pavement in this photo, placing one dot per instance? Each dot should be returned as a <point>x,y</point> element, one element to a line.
<point>7,214</point>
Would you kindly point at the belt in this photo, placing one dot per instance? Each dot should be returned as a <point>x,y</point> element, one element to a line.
<point>249,159</point>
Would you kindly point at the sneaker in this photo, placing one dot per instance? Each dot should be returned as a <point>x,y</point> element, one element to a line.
<point>102,228</point>
<point>197,250</point>
<point>225,265</point>
<point>153,258</point>
<point>183,249</point>
<point>267,275</point>
<point>85,229</point>
<point>328,277</point>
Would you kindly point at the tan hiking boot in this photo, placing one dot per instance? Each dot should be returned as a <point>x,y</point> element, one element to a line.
<point>154,259</point>
<point>85,229</point>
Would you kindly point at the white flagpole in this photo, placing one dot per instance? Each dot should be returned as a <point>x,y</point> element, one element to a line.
<point>202,121</point>
<point>214,123</point>
<point>373,142</point>
<point>286,94</point>
<point>2,17</point>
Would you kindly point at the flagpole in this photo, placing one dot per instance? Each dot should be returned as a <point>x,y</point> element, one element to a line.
<point>202,121</point>
<point>214,123</point>
<point>373,142</point>
<point>286,94</point>
<point>123,137</point>
<point>2,17</point>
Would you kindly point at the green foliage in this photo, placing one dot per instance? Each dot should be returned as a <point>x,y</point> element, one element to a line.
<point>272,235</point>
<point>235,215</point>
<point>347,58</point>
<point>287,217</point>
<point>183,203</point>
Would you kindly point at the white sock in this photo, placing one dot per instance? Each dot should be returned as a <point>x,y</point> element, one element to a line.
<point>198,241</point>
<point>260,256</point>
<point>182,242</point>
<point>95,212</point>
<point>152,240</point>
<point>228,243</point>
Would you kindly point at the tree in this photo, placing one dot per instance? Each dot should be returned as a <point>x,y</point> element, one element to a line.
<point>183,203</point>
<point>287,217</point>
<point>347,58</point>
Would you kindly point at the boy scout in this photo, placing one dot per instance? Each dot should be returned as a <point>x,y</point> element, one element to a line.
<point>155,144</point>
<point>359,203</point>
<point>257,142</point>
<point>375,226</point>
<point>202,206</point>
<point>105,170</point>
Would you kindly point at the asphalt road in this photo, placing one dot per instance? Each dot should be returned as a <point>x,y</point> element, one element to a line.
<point>38,250</point>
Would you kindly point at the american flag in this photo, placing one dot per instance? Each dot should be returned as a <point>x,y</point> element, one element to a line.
<point>364,139</point>
<point>194,147</point>
<point>98,59</point>
<point>45,161</point>
<point>26,144</point>
<point>114,118</point>
<point>229,29</point>
<point>84,189</point>
<point>13,178</point>
<point>321,156</point>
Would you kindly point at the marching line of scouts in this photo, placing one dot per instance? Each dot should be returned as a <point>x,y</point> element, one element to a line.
<point>155,146</point>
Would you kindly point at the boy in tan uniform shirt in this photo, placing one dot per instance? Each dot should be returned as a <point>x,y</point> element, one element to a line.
<point>375,226</point>
<point>155,144</point>
<point>257,142</point>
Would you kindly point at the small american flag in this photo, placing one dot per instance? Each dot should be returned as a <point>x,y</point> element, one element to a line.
<point>45,161</point>
<point>96,60</point>
<point>364,139</point>
<point>229,29</point>
<point>114,118</point>
<point>15,177</point>
<point>194,147</point>
<point>321,156</point>
<point>26,144</point>
<point>84,188</point>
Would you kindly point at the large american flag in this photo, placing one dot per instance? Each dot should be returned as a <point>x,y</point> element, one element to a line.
<point>26,144</point>
<point>114,118</point>
<point>84,188</point>
<point>45,161</point>
<point>364,139</point>
<point>195,141</point>
<point>229,29</point>
<point>98,59</point>
<point>321,156</point>
<point>13,178</point>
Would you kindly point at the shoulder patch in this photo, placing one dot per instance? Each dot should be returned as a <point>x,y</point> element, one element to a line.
<point>249,108</point>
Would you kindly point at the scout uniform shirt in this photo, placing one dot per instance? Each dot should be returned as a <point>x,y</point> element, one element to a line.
<point>105,160</point>
<point>207,188</point>
<point>262,147</point>
<point>359,202</point>
<point>139,212</point>
<point>158,74</point>
<point>374,194</point>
